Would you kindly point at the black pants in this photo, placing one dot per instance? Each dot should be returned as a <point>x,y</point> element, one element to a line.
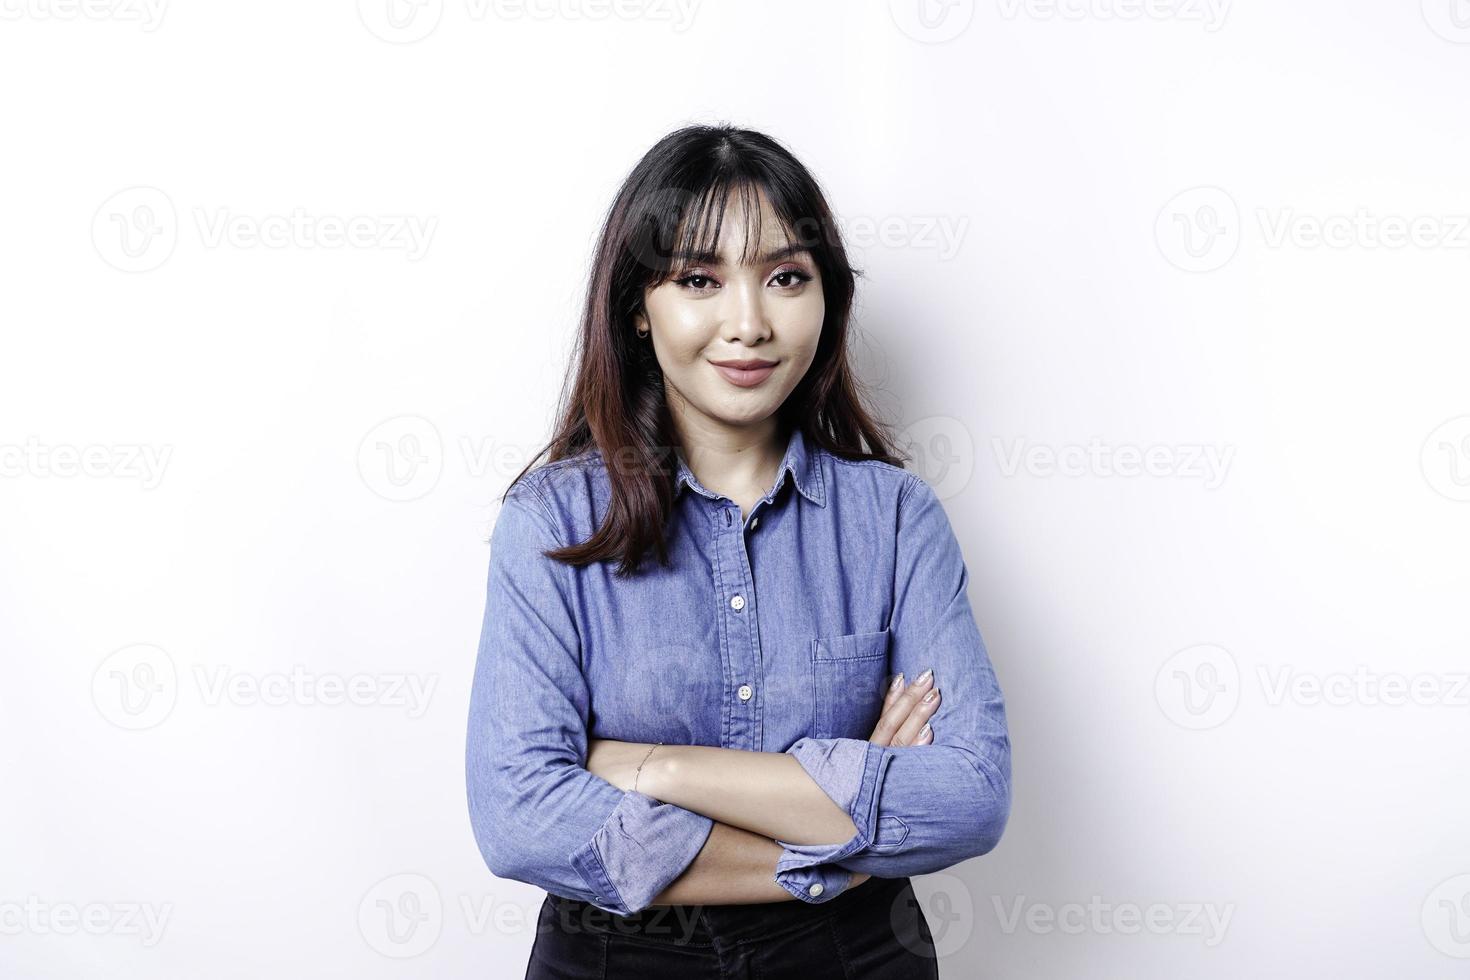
<point>875,931</point>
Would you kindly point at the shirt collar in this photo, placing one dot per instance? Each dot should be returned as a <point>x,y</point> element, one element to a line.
<point>800,461</point>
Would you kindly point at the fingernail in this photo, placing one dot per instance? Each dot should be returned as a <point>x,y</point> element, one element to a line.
<point>926,731</point>
<point>931,695</point>
<point>897,683</point>
<point>926,676</point>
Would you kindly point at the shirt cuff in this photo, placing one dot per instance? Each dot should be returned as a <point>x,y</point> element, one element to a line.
<point>849,771</point>
<point>641,847</point>
<point>813,885</point>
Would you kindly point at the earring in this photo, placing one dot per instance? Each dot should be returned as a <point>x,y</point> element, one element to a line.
<point>643,333</point>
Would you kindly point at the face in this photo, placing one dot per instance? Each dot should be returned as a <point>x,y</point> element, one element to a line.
<point>734,340</point>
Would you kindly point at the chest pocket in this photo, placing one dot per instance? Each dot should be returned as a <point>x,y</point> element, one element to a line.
<point>850,677</point>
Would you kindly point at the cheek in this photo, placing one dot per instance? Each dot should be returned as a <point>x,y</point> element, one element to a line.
<point>681,330</point>
<point>683,338</point>
<point>801,321</point>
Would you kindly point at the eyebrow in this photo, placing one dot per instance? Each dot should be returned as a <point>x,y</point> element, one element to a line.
<point>705,257</point>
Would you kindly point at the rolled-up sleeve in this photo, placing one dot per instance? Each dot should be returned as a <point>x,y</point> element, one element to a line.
<point>538,815</point>
<point>921,809</point>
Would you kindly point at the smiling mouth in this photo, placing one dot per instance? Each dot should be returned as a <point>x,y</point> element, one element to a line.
<point>745,374</point>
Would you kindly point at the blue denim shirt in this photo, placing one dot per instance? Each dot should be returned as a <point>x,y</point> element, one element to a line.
<point>778,633</point>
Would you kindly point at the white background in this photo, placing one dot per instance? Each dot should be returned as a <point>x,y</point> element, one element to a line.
<point>235,449</point>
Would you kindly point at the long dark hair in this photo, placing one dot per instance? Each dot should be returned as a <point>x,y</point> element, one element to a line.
<point>671,206</point>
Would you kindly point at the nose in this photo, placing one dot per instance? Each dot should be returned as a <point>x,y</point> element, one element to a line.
<point>745,317</point>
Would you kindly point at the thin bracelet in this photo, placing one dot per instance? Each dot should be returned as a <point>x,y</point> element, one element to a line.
<point>640,768</point>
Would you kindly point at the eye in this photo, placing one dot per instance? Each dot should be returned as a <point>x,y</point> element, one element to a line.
<point>790,280</point>
<point>796,278</point>
<point>688,281</point>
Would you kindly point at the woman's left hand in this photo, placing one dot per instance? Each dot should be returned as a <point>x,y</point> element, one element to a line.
<point>617,762</point>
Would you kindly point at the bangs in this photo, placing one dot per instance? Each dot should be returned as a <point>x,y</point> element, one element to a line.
<point>684,226</point>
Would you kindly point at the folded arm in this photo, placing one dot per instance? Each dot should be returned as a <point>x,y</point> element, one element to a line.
<point>735,867</point>
<point>768,793</point>
<point>765,793</point>
<point>537,813</point>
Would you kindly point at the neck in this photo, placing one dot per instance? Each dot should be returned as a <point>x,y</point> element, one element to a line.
<point>732,460</point>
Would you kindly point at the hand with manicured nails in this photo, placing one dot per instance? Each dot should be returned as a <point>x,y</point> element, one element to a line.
<point>906,712</point>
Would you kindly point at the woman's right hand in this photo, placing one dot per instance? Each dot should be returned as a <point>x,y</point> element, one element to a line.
<point>906,713</point>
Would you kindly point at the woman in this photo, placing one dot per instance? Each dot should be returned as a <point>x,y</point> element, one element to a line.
<point>698,753</point>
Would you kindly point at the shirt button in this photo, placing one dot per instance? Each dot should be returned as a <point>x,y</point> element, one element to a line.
<point>745,692</point>
<point>753,522</point>
<point>737,603</point>
<point>816,889</point>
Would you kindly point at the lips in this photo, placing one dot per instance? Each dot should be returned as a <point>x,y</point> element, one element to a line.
<point>745,374</point>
